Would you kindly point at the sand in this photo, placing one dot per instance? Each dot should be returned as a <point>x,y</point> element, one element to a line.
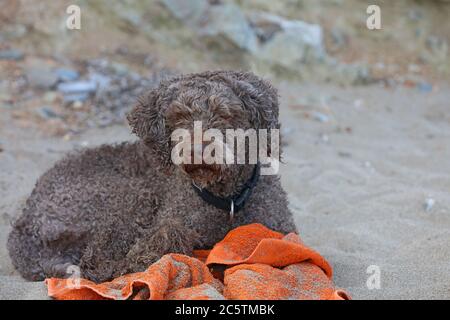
<point>359,166</point>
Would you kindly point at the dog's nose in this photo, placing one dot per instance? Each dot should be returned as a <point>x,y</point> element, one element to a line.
<point>190,168</point>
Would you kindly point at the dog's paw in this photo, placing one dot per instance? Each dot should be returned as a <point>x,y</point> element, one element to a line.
<point>169,236</point>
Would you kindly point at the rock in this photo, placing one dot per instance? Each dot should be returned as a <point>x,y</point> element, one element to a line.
<point>47,113</point>
<point>356,74</point>
<point>424,87</point>
<point>434,43</point>
<point>77,87</point>
<point>287,42</point>
<point>50,96</point>
<point>324,138</point>
<point>109,90</point>
<point>318,116</point>
<point>65,74</point>
<point>358,103</point>
<point>76,97</point>
<point>13,31</point>
<point>415,14</point>
<point>264,29</point>
<point>77,105</point>
<point>11,54</point>
<point>77,91</point>
<point>84,144</point>
<point>344,154</point>
<point>227,20</point>
<point>215,21</point>
<point>101,80</point>
<point>6,98</point>
<point>189,12</point>
<point>119,69</point>
<point>41,77</point>
<point>129,14</point>
<point>429,204</point>
<point>339,38</point>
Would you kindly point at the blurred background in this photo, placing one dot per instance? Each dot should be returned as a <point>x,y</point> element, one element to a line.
<point>365,113</point>
<point>126,46</point>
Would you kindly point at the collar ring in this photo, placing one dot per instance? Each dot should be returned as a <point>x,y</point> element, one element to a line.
<point>231,210</point>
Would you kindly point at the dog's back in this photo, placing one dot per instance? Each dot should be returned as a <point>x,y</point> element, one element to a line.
<point>72,199</point>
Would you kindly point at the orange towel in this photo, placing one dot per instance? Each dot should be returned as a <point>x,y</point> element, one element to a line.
<point>259,264</point>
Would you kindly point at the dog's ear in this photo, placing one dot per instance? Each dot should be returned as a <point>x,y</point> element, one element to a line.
<point>147,121</point>
<point>260,100</point>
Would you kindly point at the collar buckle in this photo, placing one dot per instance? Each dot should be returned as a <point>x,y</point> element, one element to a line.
<point>231,211</point>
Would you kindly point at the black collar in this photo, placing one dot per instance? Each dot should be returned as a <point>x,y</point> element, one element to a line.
<point>233,203</point>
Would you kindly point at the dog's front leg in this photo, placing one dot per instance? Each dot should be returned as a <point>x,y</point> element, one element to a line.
<point>105,254</point>
<point>169,235</point>
<point>115,251</point>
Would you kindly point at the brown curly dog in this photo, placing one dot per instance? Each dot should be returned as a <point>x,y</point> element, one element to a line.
<point>116,209</point>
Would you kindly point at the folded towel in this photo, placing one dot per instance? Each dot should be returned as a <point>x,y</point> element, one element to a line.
<point>251,262</point>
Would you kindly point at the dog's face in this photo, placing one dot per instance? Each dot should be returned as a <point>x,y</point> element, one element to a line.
<point>208,106</point>
<point>213,100</point>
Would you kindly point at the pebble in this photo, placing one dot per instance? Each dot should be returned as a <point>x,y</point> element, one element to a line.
<point>358,103</point>
<point>415,15</point>
<point>344,154</point>
<point>5,97</point>
<point>77,105</point>
<point>325,138</point>
<point>320,116</point>
<point>119,69</point>
<point>76,97</point>
<point>46,113</point>
<point>102,81</point>
<point>66,74</point>
<point>110,95</point>
<point>429,203</point>
<point>434,43</point>
<point>50,96</point>
<point>338,37</point>
<point>424,87</point>
<point>13,31</point>
<point>11,54</point>
<point>77,87</point>
<point>41,77</point>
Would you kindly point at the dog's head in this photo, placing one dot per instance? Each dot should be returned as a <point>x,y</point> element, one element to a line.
<point>217,100</point>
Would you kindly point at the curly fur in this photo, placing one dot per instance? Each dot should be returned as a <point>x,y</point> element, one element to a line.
<point>117,208</point>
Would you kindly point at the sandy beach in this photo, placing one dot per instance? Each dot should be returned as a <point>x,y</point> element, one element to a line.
<point>358,180</point>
